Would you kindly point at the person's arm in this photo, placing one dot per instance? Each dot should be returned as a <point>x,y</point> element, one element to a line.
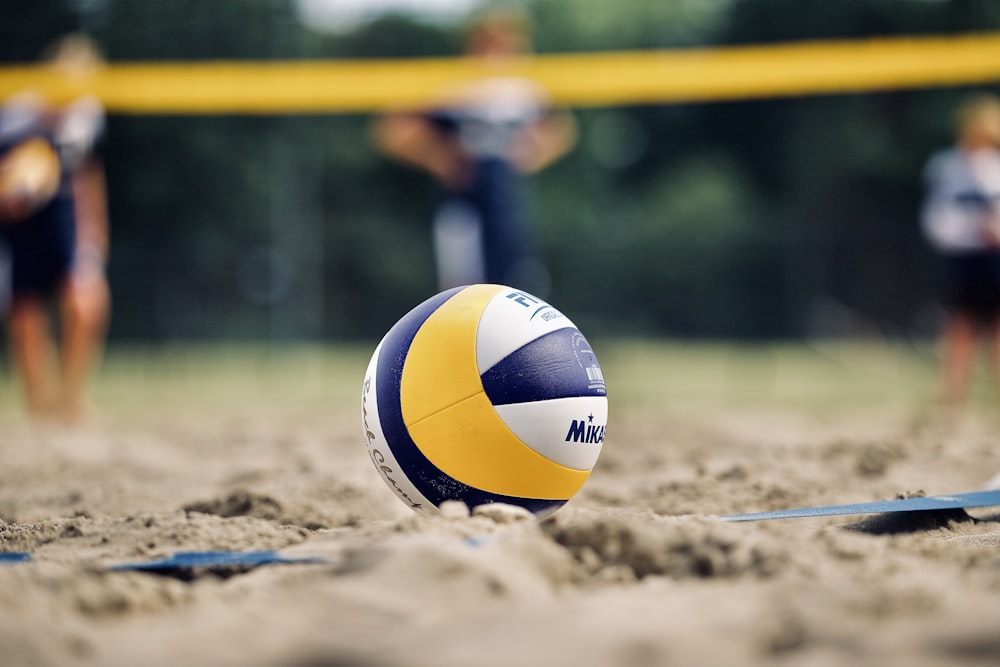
<point>545,141</point>
<point>411,139</point>
<point>90,196</point>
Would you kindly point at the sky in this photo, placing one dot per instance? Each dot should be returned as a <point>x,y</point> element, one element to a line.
<point>342,15</point>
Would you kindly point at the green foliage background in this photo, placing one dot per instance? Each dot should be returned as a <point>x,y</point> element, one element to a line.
<point>772,219</point>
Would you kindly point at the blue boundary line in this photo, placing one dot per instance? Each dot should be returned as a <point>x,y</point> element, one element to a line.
<point>192,559</point>
<point>14,557</point>
<point>988,498</point>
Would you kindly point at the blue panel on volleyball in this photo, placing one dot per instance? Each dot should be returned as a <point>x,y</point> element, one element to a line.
<point>955,501</point>
<point>546,368</point>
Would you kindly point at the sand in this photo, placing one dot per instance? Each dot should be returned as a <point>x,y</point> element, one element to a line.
<point>634,571</point>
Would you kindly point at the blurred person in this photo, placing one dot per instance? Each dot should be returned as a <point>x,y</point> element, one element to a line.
<point>481,143</point>
<point>54,234</point>
<point>961,219</point>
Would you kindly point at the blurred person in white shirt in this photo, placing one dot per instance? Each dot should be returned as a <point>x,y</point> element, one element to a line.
<point>961,220</point>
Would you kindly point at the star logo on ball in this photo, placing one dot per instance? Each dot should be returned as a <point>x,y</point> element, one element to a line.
<point>590,417</point>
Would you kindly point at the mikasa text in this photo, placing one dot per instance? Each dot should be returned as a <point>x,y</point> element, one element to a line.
<point>586,431</point>
<point>377,456</point>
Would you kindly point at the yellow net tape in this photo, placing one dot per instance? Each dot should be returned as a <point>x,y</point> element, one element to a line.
<point>594,79</point>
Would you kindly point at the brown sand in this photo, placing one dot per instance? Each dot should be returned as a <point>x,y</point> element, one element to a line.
<point>634,571</point>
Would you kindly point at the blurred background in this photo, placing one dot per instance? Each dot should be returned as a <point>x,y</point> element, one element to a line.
<point>762,219</point>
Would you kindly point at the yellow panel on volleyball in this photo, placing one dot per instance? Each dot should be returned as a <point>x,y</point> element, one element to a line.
<point>440,368</point>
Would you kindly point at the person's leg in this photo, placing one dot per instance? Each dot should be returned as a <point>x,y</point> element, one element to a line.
<point>458,246</point>
<point>85,303</point>
<point>33,352</point>
<point>959,356</point>
<point>995,354</point>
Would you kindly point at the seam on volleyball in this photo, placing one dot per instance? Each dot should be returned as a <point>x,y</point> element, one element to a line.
<point>447,407</point>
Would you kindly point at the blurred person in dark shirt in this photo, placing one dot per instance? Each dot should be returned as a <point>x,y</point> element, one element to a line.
<point>54,238</point>
<point>481,142</point>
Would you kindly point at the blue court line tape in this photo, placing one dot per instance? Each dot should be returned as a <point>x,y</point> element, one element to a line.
<point>15,557</point>
<point>482,540</point>
<point>955,501</point>
<point>192,559</point>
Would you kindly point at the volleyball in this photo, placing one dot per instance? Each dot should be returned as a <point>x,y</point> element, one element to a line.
<point>29,178</point>
<point>484,394</point>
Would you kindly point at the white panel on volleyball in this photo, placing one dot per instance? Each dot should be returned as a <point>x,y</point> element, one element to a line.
<point>569,431</point>
<point>378,448</point>
<point>511,320</point>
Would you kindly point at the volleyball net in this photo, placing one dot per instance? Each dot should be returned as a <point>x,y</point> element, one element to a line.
<point>580,80</point>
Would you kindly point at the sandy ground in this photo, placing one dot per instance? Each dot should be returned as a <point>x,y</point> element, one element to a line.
<point>634,571</point>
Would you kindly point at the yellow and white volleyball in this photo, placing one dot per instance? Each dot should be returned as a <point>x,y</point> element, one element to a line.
<point>484,394</point>
<point>29,178</point>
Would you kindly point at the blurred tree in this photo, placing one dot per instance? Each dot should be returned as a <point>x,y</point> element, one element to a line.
<point>586,25</point>
<point>27,28</point>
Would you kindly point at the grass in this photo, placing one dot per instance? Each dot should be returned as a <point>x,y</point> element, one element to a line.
<point>647,374</point>
<point>819,377</point>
